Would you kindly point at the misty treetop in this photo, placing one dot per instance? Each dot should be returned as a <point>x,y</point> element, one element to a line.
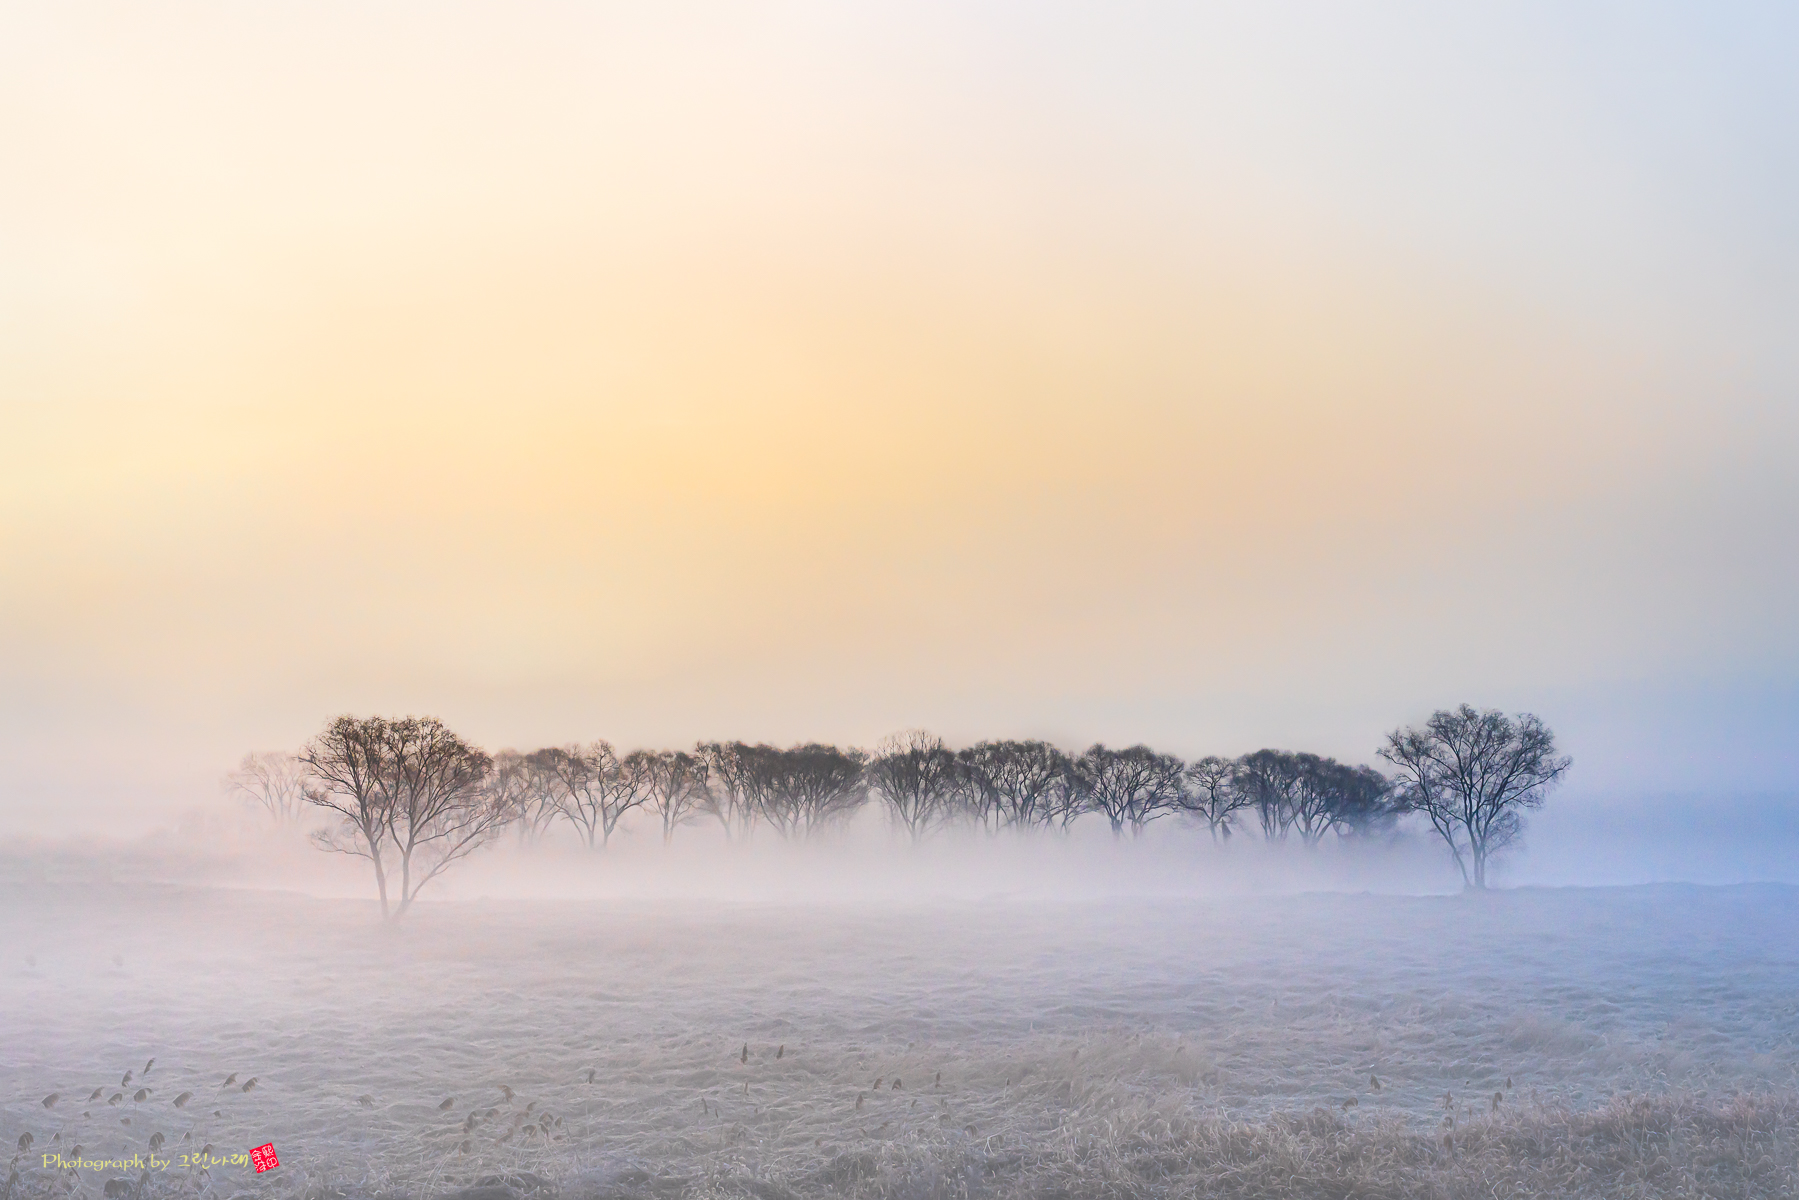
<point>413,798</point>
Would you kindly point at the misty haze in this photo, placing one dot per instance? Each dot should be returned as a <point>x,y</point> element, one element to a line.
<point>670,601</point>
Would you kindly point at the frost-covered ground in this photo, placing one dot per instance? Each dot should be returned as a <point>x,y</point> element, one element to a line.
<point>1003,1047</point>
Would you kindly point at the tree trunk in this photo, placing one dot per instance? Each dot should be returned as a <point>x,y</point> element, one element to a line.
<point>405,884</point>
<point>380,874</point>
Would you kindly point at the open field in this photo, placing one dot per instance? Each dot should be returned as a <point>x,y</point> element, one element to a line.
<point>1639,1041</point>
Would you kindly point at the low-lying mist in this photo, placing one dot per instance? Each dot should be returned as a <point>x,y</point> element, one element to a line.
<point>1577,1042</point>
<point>1012,1014</point>
<point>1579,840</point>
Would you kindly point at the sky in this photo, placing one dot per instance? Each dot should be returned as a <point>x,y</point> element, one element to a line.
<point>1212,375</point>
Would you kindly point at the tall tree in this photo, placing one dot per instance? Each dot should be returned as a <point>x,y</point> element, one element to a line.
<point>1329,796</point>
<point>1311,795</point>
<point>1132,787</point>
<point>808,788</point>
<point>540,785</point>
<point>1271,781</point>
<point>677,788</point>
<point>273,781</point>
<point>409,790</point>
<point>511,783</point>
<point>1352,801</point>
<point>737,775</point>
<point>1473,775</point>
<point>348,775</point>
<point>592,787</point>
<point>441,811</point>
<point>918,779</point>
<point>1211,794</point>
<point>1015,783</point>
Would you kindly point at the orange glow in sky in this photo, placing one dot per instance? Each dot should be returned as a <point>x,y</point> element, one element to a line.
<point>1213,376</point>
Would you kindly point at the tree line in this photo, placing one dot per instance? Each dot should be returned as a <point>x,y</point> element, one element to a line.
<point>412,797</point>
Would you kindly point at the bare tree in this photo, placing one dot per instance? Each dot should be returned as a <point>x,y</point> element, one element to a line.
<point>1328,796</point>
<point>1069,799</point>
<point>1211,794</point>
<point>1271,780</point>
<point>441,811</point>
<point>348,775</point>
<point>1015,783</point>
<point>1132,787</point>
<point>918,779</point>
<point>808,788</point>
<point>510,784</point>
<point>1473,775</point>
<point>732,780</point>
<point>274,781</point>
<point>1352,801</point>
<point>592,788</point>
<point>1311,795</point>
<point>540,785</point>
<point>408,789</point>
<point>677,788</point>
<point>1311,812</point>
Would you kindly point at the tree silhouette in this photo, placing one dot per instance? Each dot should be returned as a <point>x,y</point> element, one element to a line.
<point>1473,775</point>
<point>409,793</point>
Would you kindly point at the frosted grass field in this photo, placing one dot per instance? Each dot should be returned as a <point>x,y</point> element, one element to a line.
<point>1641,1041</point>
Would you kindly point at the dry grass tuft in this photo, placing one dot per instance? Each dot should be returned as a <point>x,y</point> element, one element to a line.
<point>1669,1145</point>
